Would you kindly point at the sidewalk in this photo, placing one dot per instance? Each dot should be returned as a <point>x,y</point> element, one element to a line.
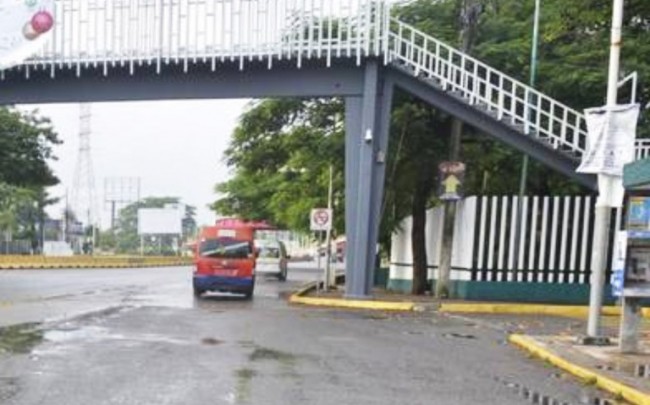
<point>625,376</point>
<point>553,339</point>
<point>548,332</point>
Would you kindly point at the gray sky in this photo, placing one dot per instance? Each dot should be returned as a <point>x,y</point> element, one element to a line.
<point>175,147</point>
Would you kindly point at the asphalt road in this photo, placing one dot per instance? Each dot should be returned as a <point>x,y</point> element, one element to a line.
<point>139,337</point>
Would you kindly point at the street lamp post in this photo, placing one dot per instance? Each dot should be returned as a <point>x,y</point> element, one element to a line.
<point>533,79</point>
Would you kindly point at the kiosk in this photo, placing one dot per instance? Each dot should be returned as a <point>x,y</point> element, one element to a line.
<point>636,273</point>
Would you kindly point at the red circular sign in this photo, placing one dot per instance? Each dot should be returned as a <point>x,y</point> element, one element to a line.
<point>321,217</point>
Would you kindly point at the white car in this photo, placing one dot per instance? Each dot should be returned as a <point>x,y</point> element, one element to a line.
<point>272,258</point>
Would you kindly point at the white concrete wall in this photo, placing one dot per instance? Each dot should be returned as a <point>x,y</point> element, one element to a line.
<point>401,251</point>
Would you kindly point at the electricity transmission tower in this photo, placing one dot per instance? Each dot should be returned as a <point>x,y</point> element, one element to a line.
<point>84,203</point>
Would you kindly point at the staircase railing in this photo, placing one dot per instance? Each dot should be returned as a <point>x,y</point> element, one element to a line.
<point>480,85</point>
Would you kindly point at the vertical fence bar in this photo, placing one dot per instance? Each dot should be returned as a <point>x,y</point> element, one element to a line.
<point>521,265</point>
<point>575,230</point>
<point>502,238</point>
<point>554,224</point>
<point>586,235</point>
<point>481,239</point>
<point>513,237</point>
<point>543,241</point>
<point>563,243</point>
<point>533,241</point>
<point>493,225</point>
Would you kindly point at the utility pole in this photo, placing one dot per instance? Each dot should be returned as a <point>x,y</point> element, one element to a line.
<point>471,11</point>
<point>330,281</point>
<point>523,181</point>
<point>603,208</point>
<point>533,80</point>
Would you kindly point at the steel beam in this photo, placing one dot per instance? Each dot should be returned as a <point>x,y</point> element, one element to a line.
<point>491,126</point>
<point>384,108</point>
<point>343,79</point>
<point>353,113</point>
<point>367,139</point>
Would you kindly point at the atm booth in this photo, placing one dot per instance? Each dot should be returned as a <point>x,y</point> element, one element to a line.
<point>632,282</point>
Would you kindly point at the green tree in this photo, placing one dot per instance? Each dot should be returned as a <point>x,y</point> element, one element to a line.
<point>280,154</point>
<point>26,145</point>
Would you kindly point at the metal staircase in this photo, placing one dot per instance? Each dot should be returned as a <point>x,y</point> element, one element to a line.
<point>506,99</point>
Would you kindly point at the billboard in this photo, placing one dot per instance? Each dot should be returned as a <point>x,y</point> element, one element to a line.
<point>25,26</point>
<point>160,221</point>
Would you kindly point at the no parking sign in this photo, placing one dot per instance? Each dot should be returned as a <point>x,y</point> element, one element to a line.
<point>321,219</point>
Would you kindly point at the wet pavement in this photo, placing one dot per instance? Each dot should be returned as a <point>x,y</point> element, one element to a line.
<point>139,337</point>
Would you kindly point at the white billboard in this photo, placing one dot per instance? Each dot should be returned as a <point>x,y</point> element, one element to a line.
<point>160,221</point>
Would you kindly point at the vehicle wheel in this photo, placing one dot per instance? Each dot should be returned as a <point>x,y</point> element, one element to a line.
<point>249,294</point>
<point>198,292</point>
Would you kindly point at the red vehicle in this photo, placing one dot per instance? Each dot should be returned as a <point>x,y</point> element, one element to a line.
<point>225,258</point>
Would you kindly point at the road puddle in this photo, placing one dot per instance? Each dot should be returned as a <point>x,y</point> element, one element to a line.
<point>455,335</point>
<point>20,339</point>
<point>263,353</point>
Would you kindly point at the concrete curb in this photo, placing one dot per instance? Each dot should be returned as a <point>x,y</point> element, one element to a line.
<point>299,298</point>
<point>528,309</point>
<point>617,388</point>
<point>88,264</point>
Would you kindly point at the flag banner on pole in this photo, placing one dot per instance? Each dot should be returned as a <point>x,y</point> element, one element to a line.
<point>25,26</point>
<point>611,135</point>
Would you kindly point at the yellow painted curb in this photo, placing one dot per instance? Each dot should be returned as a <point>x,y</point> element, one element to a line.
<point>528,309</point>
<point>630,394</point>
<point>353,304</point>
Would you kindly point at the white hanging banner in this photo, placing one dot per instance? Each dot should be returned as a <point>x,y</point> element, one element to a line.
<point>610,139</point>
<point>25,26</point>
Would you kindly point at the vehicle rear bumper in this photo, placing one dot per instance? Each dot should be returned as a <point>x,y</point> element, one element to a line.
<point>224,284</point>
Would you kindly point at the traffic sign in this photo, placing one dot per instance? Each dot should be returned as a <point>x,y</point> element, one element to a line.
<point>321,219</point>
<point>452,175</point>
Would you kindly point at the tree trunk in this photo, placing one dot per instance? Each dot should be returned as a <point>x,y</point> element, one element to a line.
<point>418,236</point>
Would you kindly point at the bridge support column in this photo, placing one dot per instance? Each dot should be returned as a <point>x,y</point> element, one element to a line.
<point>367,130</point>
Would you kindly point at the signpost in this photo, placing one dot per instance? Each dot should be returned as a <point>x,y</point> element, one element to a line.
<point>321,221</point>
<point>24,28</point>
<point>452,176</point>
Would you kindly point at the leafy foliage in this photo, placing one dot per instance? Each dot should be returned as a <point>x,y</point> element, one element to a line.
<point>281,152</point>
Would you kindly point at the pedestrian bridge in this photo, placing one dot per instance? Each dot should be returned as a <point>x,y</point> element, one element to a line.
<point>357,49</point>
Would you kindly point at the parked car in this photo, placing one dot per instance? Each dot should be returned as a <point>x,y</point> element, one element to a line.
<point>272,258</point>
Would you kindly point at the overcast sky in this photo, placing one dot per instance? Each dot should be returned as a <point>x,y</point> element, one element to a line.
<point>174,147</point>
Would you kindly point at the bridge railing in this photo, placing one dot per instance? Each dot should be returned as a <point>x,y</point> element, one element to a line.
<point>137,32</point>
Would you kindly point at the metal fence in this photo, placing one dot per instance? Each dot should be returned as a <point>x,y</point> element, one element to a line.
<point>158,32</point>
<point>505,239</point>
